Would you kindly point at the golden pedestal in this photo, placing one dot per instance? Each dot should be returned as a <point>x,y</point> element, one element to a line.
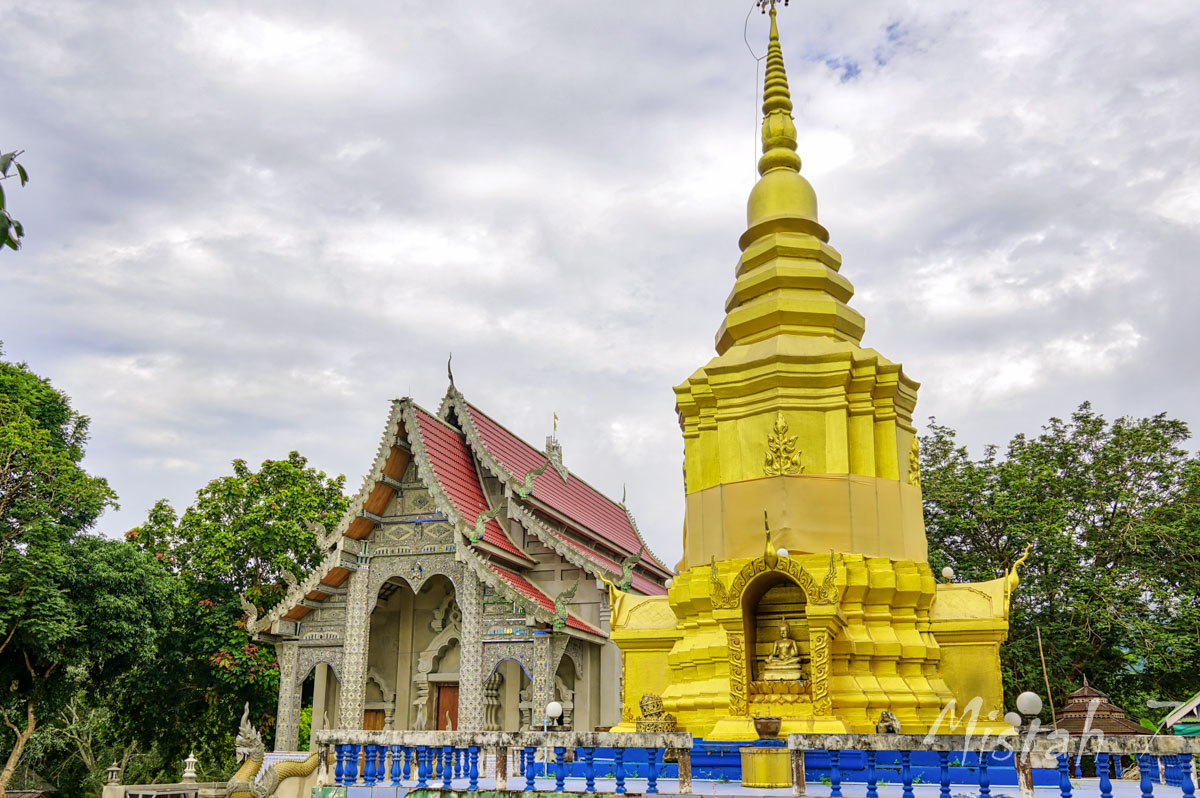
<point>766,767</point>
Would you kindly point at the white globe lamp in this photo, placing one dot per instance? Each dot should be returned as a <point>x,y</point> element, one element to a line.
<point>1013,719</point>
<point>554,710</point>
<point>1029,703</point>
<point>947,573</point>
<point>667,584</point>
<point>782,552</point>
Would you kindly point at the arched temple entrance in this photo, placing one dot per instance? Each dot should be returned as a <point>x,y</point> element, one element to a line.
<point>414,655</point>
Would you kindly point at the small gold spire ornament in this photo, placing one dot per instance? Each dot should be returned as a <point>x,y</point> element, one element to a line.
<point>765,4</point>
<point>782,455</point>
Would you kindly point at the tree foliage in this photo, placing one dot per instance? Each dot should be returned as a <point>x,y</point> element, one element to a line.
<point>1112,510</point>
<point>245,535</point>
<point>75,609</point>
<point>11,231</point>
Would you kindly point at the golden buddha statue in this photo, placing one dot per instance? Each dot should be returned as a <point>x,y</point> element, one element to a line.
<point>783,663</point>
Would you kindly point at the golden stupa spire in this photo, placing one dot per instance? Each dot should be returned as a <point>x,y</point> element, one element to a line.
<point>778,129</point>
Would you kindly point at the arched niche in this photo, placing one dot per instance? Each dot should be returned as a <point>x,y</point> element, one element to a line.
<point>772,599</point>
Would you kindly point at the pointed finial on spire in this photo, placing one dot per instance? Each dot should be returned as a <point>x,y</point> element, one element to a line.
<point>449,372</point>
<point>778,129</point>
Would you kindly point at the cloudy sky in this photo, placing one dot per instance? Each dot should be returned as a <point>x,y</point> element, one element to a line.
<point>251,225</point>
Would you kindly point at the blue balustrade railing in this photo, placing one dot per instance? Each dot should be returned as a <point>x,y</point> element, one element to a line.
<point>637,763</point>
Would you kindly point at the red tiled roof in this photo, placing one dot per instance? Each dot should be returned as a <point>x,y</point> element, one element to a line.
<point>533,593</point>
<point>575,498</point>
<point>454,467</point>
<point>640,583</point>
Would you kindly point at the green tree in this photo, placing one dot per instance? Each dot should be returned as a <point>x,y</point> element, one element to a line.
<point>11,231</point>
<point>246,535</point>
<point>75,609</point>
<point>1112,511</point>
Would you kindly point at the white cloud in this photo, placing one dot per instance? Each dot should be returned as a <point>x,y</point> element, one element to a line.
<point>248,229</point>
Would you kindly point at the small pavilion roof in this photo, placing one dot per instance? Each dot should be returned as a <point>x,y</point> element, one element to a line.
<point>1187,712</point>
<point>1107,717</point>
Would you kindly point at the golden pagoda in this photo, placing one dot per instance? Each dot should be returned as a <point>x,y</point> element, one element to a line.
<point>829,616</point>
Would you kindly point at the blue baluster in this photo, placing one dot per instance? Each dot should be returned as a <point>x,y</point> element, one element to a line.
<point>1102,772</point>
<point>1145,762</point>
<point>395,769</point>
<point>352,765</point>
<point>985,783</point>
<point>872,783</point>
<point>651,770</point>
<point>473,768</point>
<point>460,762</point>
<point>528,754</point>
<point>944,773</point>
<point>560,767</point>
<point>339,770</point>
<point>835,774</point>
<point>589,768</point>
<point>447,766</point>
<point>619,769</point>
<point>422,755</point>
<point>407,771</point>
<point>1064,776</point>
<point>369,768</point>
<point>381,772</point>
<point>1078,767</point>
<point>1185,776</point>
<point>906,773</point>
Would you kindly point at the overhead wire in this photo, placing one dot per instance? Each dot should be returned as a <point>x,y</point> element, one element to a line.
<point>754,93</point>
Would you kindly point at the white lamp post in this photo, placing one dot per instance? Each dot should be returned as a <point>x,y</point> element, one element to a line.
<point>1029,704</point>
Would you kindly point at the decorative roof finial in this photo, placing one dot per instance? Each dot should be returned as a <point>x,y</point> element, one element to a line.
<point>778,129</point>
<point>765,4</point>
<point>449,372</point>
<point>770,556</point>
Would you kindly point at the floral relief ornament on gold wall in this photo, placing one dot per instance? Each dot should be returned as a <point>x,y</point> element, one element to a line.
<point>782,455</point>
<point>914,464</point>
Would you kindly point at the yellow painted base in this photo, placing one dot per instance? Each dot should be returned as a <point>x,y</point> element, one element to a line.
<point>766,767</point>
<point>881,635</point>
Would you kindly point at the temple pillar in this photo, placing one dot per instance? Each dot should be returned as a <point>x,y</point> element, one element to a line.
<point>543,680</point>
<point>510,718</point>
<point>608,664</point>
<point>320,692</point>
<point>287,715</point>
<point>354,650</point>
<point>470,676</point>
<point>404,662</point>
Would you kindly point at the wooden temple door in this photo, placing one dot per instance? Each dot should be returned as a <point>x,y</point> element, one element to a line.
<point>447,707</point>
<point>372,721</point>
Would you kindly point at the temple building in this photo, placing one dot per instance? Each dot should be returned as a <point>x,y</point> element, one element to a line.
<point>805,591</point>
<point>465,587</point>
